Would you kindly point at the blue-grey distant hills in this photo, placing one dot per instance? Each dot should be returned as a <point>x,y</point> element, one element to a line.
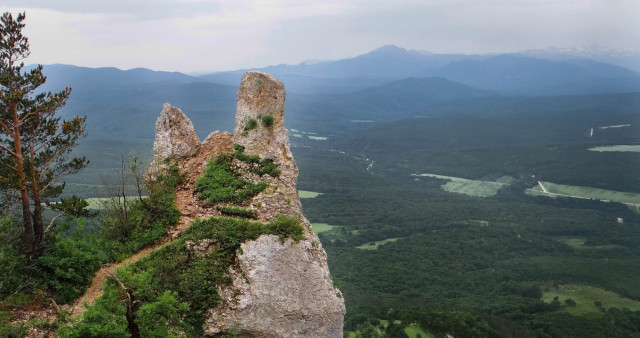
<point>510,73</point>
<point>525,75</point>
<point>334,97</point>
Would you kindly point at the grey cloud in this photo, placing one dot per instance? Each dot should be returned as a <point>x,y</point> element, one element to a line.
<point>141,9</point>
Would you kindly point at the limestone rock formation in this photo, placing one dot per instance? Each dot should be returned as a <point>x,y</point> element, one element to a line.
<point>279,289</point>
<point>175,138</point>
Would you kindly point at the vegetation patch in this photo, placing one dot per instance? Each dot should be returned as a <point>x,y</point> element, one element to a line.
<point>175,285</point>
<point>588,299</point>
<point>415,331</point>
<point>251,124</point>
<point>308,194</point>
<point>470,187</point>
<point>623,148</point>
<point>376,244</point>
<point>554,189</point>
<point>317,138</point>
<point>221,183</point>
<point>578,243</point>
<point>259,166</point>
<point>322,227</point>
<point>267,120</point>
<point>236,211</point>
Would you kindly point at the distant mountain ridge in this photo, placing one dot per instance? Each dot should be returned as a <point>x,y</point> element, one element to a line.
<point>386,84</point>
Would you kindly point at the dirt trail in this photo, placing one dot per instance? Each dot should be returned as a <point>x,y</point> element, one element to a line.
<point>190,207</point>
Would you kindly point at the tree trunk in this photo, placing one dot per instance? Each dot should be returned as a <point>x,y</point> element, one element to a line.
<point>38,222</point>
<point>22,184</point>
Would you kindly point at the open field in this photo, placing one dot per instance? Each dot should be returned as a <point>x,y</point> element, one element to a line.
<point>414,330</point>
<point>97,202</point>
<point>577,242</point>
<point>469,187</point>
<point>374,245</point>
<point>616,126</point>
<point>308,194</point>
<point>629,148</point>
<point>585,296</point>
<point>585,192</point>
<point>322,227</point>
<point>308,135</point>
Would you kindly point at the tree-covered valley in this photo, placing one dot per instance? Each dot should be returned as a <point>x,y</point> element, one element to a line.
<point>455,195</point>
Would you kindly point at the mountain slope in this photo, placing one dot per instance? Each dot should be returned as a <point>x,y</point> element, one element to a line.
<point>527,75</point>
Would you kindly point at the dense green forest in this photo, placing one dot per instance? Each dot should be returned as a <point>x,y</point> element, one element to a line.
<point>405,252</point>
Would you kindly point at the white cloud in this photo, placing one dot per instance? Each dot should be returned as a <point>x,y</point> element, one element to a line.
<point>198,35</point>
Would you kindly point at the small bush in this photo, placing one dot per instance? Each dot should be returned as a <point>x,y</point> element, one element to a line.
<point>262,166</point>
<point>220,183</point>
<point>251,124</point>
<point>11,330</point>
<point>106,318</point>
<point>286,227</point>
<point>267,120</point>
<point>67,268</point>
<point>236,211</point>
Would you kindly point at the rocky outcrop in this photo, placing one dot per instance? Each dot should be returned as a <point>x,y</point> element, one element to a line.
<point>279,289</point>
<point>176,138</point>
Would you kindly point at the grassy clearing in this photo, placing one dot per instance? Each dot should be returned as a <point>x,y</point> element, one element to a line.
<point>616,126</point>
<point>97,203</point>
<point>317,138</point>
<point>471,187</point>
<point>374,245</point>
<point>309,135</point>
<point>585,296</point>
<point>628,148</point>
<point>585,192</point>
<point>577,242</point>
<point>322,227</point>
<point>308,194</point>
<point>414,330</point>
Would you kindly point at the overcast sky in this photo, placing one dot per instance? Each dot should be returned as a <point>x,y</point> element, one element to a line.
<point>209,35</point>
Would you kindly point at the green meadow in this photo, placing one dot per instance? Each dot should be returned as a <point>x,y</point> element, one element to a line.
<point>308,194</point>
<point>577,242</point>
<point>585,192</point>
<point>585,298</point>
<point>322,227</point>
<point>471,187</point>
<point>629,148</point>
<point>374,245</point>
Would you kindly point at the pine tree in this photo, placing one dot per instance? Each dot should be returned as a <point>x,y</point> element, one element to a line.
<point>34,142</point>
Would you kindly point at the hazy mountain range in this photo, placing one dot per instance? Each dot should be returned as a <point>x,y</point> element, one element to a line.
<point>389,83</point>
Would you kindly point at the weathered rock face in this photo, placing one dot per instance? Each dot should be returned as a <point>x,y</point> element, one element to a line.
<point>261,98</point>
<point>283,289</point>
<point>175,137</point>
<point>279,289</point>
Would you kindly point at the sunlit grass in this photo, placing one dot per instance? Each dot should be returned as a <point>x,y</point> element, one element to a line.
<point>374,245</point>
<point>584,192</point>
<point>322,227</point>
<point>577,242</point>
<point>98,202</point>
<point>476,188</point>
<point>308,194</point>
<point>585,296</point>
<point>414,330</point>
<point>627,148</point>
